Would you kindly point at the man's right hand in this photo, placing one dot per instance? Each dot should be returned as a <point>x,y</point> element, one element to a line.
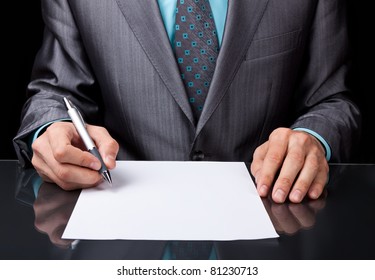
<point>60,156</point>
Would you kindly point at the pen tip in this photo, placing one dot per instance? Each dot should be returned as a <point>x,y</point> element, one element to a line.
<point>107,177</point>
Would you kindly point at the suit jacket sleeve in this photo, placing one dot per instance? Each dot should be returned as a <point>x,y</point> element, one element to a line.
<point>61,68</point>
<point>325,107</point>
<point>286,66</point>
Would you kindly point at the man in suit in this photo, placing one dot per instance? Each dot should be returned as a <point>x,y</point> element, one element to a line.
<point>277,98</point>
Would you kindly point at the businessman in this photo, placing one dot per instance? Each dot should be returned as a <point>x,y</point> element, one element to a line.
<point>276,97</point>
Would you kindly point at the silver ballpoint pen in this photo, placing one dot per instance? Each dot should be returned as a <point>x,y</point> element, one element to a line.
<point>80,126</point>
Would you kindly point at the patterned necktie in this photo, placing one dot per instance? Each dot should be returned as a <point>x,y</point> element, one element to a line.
<point>196,49</point>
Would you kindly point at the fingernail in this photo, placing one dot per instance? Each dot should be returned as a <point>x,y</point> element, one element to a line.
<point>296,196</point>
<point>279,196</point>
<point>263,190</point>
<point>314,195</point>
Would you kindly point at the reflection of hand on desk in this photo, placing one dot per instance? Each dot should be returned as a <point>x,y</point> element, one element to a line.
<point>289,218</point>
<point>53,207</point>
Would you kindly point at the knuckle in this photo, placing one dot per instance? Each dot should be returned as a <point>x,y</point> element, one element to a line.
<point>256,154</point>
<point>62,174</point>
<point>59,153</point>
<point>297,157</point>
<point>303,185</point>
<point>65,186</point>
<point>280,132</point>
<point>253,167</point>
<point>113,143</point>
<point>284,182</point>
<point>37,145</point>
<point>268,179</point>
<point>38,224</point>
<point>318,149</point>
<point>84,161</point>
<point>303,137</point>
<point>275,158</point>
<point>319,185</point>
<point>36,162</point>
<point>314,167</point>
<point>317,164</point>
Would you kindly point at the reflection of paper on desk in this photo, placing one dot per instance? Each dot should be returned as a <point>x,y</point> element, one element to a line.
<point>152,200</point>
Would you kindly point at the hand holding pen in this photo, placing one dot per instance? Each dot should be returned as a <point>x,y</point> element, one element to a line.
<point>59,155</point>
<point>80,125</point>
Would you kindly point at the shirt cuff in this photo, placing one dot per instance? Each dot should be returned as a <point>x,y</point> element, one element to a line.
<point>320,138</point>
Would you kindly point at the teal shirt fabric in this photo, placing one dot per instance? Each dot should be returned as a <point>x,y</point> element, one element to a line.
<point>168,12</point>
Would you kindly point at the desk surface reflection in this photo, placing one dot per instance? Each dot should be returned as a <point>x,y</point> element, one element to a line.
<point>339,225</point>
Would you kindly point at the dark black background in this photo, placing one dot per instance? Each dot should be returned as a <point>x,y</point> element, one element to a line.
<point>21,35</point>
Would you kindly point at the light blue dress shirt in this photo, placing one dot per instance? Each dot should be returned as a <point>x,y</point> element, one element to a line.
<point>168,12</point>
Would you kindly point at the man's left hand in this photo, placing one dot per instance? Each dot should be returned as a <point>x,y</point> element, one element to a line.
<point>294,163</point>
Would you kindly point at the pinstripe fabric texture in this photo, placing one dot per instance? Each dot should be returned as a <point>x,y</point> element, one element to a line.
<point>114,60</point>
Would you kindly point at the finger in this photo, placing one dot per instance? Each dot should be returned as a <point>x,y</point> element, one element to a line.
<point>107,146</point>
<point>67,176</point>
<point>70,177</point>
<point>319,203</point>
<point>258,158</point>
<point>60,137</point>
<point>292,165</point>
<point>301,165</point>
<point>311,178</point>
<point>41,167</point>
<point>304,180</point>
<point>319,183</point>
<point>256,167</point>
<point>273,160</point>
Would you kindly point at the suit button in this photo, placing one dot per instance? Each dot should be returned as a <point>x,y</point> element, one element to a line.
<point>197,156</point>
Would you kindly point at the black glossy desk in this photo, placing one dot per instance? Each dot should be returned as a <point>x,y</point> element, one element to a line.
<point>341,225</point>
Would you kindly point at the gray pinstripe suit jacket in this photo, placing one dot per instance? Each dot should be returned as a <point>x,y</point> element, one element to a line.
<point>282,63</point>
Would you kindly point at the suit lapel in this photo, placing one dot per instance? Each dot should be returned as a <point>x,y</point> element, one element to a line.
<point>242,22</point>
<point>145,20</point>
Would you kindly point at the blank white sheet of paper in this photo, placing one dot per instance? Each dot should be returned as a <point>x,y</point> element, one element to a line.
<point>172,200</point>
